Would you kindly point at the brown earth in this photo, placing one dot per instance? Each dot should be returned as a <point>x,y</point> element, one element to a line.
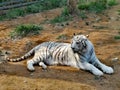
<point>101,28</point>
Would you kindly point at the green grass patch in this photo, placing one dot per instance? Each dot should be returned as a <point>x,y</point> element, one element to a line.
<point>118,12</point>
<point>25,30</point>
<point>3,0</point>
<point>83,15</point>
<point>34,8</point>
<point>65,16</point>
<point>112,2</point>
<point>96,6</point>
<point>117,37</point>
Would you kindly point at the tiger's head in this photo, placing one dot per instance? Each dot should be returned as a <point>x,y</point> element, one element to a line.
<point>79,43</point>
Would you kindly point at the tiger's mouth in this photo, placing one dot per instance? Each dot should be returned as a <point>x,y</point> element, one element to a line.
<point>74,50</point>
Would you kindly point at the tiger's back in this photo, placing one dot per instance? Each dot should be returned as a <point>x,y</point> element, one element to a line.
<point>51,53</point>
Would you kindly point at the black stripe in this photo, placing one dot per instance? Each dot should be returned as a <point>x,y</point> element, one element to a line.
<point>66,56</point>
<point>56,47</point>
<point>57,53</point>
<point>91,52</point>
<point>63,55</point>
<point>77,61</point>
<point>49,43</point>
<point>40,59</point>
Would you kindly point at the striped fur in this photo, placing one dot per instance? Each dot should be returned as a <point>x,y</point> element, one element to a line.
<point>79,54</point>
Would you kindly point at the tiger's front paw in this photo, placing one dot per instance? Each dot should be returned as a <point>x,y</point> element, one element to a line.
<point>98,73</point>
<point>108,70</point>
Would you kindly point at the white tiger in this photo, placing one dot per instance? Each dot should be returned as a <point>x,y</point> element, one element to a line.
<point>79,54</point>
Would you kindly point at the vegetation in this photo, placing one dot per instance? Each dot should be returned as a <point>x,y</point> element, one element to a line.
<point>25,30</point>
<point>65,16</point>
<point>117,37</point>
<point>83,15</point>
<point>3,0</point>
<point>118,12</point>
<point>95,6</point>
<point>112,2</point>
<point>34,8</point>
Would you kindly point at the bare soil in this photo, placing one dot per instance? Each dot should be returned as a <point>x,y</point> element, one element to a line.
<point>101,29</point>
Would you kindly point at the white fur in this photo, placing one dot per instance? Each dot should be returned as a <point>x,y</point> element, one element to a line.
<point>105,69</point>
<point>91,68</point>
<point>42,65</point>
<point>30,65</point>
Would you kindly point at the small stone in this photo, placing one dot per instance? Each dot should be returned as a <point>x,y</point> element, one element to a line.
<point>98,19</point>
<point>87,23</point>
<point>67,23</point>
<point>31,74</point>
<point>58,27</point>
<point>25,81</point>
<point>115,59</point>
<point>62,24</point>
<point>113,18</point>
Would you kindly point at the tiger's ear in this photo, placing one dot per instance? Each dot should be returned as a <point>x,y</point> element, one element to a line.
<point>74,34</point>
<point>87,36</point>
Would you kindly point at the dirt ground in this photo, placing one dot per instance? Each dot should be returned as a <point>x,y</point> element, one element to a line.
<point>101,29</point>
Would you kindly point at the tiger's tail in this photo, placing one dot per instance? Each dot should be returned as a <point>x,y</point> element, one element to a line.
<point>30,53</point>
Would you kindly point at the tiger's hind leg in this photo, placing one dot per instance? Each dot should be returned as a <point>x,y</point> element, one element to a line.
<point>42,64</point>
<point>30,64</point>
<point>35,60</point>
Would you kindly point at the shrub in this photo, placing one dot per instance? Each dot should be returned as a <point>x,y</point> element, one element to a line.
<point>65,12</point>
<point>112,2</point>
<point>65,16</point>
<point>50,4</point>
<point>34,8</point>
<point>24,30</point>
<point>96,6</point>
<point>83,15</point>
<point>118,12</point>
<point>83,6</point>
<point>117,37</point>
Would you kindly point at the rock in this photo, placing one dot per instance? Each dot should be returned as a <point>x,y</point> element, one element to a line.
<point>58,27</point>
<point>25,81</point>
<point>67,23</point>
<point>115,59</point>
<point>31,74</point>
<point>87,23</point>
<point>62,25</point>
<point>113,18</point>
<point>3,56</point>
<point>98,19</point>
<point>1,62</point>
